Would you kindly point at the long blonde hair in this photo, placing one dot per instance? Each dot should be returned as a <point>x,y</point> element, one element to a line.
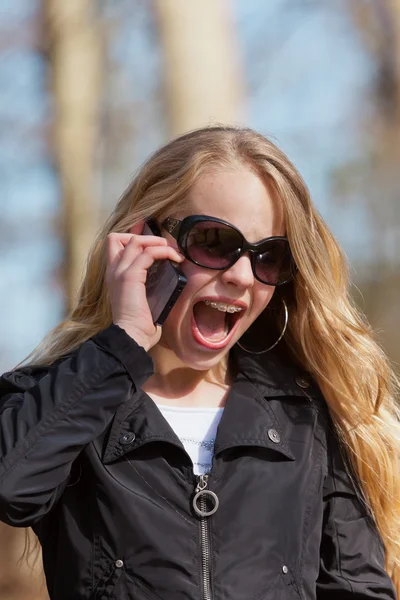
<point>327,336</point>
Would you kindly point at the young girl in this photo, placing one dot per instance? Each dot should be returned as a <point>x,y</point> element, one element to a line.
<point>247,449</point>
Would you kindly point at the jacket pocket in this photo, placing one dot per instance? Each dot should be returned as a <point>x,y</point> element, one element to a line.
<point>291,584</point>
<point>283,587</point>
<point>107,587</point>
<point>133,589</point>
<point>107,571</point>
<point>121,586</point>
<point>112,578</point>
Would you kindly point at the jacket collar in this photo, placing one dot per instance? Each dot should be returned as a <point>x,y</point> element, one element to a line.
<point>248,418</point>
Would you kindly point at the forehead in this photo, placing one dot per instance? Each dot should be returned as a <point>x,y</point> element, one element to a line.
<point>240,197</point>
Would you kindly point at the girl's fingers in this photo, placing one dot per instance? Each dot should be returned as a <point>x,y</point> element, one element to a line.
<point>136,246</point>
<point>126,247</point>
<point>137,270</point>
<point>116,243</point>
<point>151,254</point>
<point>129,257</point>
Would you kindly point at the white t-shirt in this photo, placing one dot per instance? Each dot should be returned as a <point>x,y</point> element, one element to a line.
<point>196,428</point>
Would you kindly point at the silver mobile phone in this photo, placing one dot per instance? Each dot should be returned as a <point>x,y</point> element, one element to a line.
<point>164,283</point>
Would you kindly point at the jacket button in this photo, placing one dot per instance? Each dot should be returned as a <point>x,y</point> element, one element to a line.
<point>285,569</point>
<point>127,438</point>
<point>274,436</point>
<point>303,382</point>
<point>119,563</point>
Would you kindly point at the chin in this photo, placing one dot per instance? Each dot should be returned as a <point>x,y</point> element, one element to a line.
<point>197,357</point>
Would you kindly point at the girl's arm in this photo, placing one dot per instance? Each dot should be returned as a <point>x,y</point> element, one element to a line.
<point>48,415</point>
<point>352,554</point>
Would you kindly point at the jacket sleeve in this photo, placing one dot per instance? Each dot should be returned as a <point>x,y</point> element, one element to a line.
<point>352,563</point>
<point>47,416</point>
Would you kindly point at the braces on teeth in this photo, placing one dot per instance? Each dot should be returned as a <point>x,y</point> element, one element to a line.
<point>223,307</point>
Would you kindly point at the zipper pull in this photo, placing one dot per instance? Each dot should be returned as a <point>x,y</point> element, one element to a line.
<point>202,482</point>
<point>201,497</point>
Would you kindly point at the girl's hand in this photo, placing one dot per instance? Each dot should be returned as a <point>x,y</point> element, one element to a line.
<point>129,255</point>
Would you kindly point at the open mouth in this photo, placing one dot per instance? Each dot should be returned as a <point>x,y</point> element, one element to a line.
<point>215,323</point>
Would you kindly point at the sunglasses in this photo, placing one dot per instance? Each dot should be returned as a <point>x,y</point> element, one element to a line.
<point>216,244</point>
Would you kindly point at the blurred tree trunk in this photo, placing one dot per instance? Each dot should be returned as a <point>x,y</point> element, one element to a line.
<point>378,24</point>
<point>74,45</point>
<point>74,50</point>
<point>203,79</point>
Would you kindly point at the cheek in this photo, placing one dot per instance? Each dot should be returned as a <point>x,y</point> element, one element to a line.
<point>262,297</point>
<point>197,278</point>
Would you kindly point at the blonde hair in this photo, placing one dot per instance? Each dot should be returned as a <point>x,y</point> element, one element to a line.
<point>326,334</point>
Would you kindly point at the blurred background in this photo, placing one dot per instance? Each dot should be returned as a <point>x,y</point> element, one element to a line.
<point>88,88</point>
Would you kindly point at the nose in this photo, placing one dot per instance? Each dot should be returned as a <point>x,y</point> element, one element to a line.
<point>240,273</point>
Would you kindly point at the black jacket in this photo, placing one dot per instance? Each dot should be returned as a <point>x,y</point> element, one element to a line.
<point>89,462</point>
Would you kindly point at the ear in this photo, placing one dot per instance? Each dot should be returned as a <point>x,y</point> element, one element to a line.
<point>137,229</point>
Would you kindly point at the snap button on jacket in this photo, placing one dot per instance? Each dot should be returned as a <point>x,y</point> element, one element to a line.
<point>88,460</point>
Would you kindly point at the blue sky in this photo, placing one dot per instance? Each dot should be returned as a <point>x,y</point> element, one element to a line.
<point>305,74</point>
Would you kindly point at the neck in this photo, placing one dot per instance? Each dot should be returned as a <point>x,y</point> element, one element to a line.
<point>177,379</point>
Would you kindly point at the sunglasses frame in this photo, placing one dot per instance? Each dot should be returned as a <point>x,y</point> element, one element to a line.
<point>179,229</point>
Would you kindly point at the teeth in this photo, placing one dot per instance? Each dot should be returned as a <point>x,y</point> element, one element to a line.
<point>223,307</point>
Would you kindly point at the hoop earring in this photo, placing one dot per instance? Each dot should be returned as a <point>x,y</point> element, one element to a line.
<point>285,308</point>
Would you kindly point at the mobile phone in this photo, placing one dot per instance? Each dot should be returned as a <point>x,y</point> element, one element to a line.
<point>164,283</point>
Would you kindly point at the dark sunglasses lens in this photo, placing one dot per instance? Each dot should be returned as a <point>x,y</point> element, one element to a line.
<point>274,263</point>
<point>213,245</point>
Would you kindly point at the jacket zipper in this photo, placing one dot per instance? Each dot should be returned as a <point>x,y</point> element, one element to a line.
<point>200,507</point>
